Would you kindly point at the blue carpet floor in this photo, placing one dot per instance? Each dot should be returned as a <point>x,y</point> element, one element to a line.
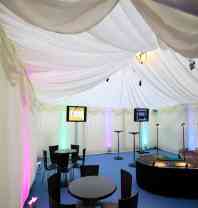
<point>111,167</point>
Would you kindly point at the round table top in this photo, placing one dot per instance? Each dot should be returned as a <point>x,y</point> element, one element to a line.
<point>66,151</point>
<point>92,188</point>
<point>118,131</point>
<point>133,132</point>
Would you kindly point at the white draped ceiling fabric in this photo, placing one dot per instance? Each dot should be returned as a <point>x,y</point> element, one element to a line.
<point>189,6</point>
<point>161,86</point>
<point>176,24</point>
<point>63,16</point>
<point>60,65</point>
<point>177,28</point>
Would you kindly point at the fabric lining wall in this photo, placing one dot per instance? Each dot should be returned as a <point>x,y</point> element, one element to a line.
<point>93,136</point>
<point>18,138</point>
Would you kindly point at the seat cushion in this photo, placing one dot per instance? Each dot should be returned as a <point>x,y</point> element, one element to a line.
<point>109,205</point>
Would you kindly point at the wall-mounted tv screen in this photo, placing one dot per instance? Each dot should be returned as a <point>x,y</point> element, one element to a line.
<point>141,114</point>
<point>76,114</point>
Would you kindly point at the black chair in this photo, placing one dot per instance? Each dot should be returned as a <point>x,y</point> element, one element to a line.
<point>76,147</point>
<point>126,184</point>
<point>130,202</point>
<point>89,170</point>
<point>74,162</point>
<point>63,166</point>
<point>52,150</point>
<point>82,158</point>
<point>54,193</point>
<point>74,159</point>
<point>47,168</point>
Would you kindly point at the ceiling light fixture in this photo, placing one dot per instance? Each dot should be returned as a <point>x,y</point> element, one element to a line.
<point>141,57</point>
<point>192,64</point>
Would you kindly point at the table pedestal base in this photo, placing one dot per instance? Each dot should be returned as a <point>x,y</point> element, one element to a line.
<point>118,158</point>
<point>142,152</point>
<point>90,204</point>
<point>133,165</point>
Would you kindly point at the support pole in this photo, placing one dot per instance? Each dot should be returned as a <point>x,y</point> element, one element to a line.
<point>76,133</point>
<point>133,164</point>
<point>118,157</point>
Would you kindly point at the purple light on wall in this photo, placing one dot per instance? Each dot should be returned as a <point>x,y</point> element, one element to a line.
<point>32,202</point>
<point>191,130</point>
<point>108,129</point>
<point>26,162</point>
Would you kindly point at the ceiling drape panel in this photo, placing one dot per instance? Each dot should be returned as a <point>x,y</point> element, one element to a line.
<point>178,29</point>
<point>124,28</point>
<point>166,80</point>
<point>189,6</point>
<point>61,66</point>
<point>63,16</point>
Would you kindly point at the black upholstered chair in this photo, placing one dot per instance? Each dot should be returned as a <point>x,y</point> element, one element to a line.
<point>54,193</point>
<point>89,170</point>
<point>47,168</point>
<point>82,158</point>
<point>63,166</point>
<point>74,162</point>
<point>130,202</point>
<point>126,184</point>
<point>76,147</point>
<point>74,157</point>
<point>52,150</point>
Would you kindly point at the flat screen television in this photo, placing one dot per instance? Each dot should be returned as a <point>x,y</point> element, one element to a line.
<point>141,114</point>
<point>76,114</point>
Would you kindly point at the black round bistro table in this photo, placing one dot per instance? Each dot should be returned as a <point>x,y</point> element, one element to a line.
<point>90,189</point>
<point>66,151</point>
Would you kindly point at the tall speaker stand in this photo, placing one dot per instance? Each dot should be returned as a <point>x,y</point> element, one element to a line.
<point>118,157</point>
<point>157,141</point>
<point>133,164</point>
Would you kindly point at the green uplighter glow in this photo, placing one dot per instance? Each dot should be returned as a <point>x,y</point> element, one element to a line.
<point>145,134</point>
<point>63,132</point>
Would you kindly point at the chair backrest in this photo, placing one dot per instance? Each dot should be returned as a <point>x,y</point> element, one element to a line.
<point>74,157</point>
<point>76,147</point>
<point>89,170</point>
<point>83,156</point>
<point>52,150</point>
<point>45,159</point>
<point>130,202</point>
<point>54,190</point>
<point>126,184</point>
<point>62,160</point>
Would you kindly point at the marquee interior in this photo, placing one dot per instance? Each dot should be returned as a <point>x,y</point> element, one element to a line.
<point>48,63</point>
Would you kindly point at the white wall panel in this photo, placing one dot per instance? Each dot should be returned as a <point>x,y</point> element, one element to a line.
<point>170,131</point>
<point>92,133</point>
<point>95,138</point>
